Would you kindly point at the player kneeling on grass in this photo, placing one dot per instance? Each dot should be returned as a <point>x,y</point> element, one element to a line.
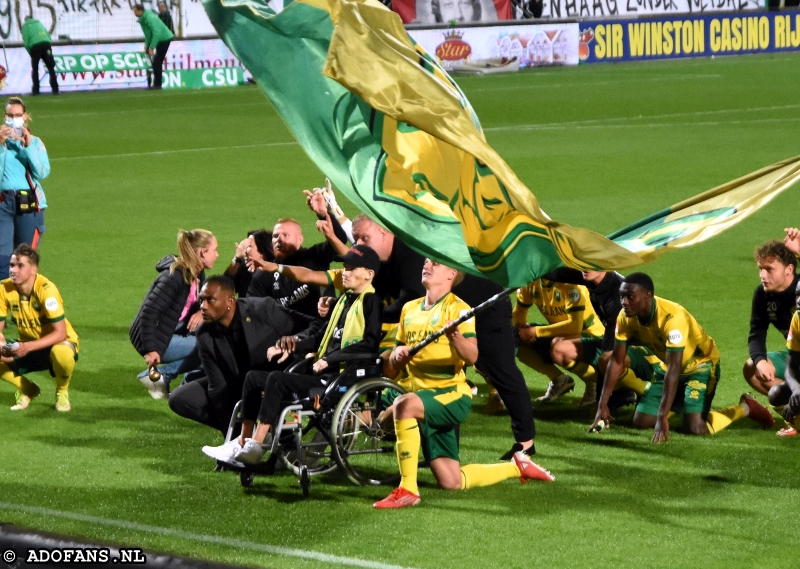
<point>569,314</point>
<point>439,399</point>
<point>785,396</point>
<point>685,378</point>
<point>47,340</point>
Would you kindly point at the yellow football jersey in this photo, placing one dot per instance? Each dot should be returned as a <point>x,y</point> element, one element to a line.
<point>438,365</point>
<point>33,316</point>
<point>670,328</point>
<point>566,307</point>
<point>793,339</point>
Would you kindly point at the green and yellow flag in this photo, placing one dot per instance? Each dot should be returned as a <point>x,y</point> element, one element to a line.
<point>397,136</point>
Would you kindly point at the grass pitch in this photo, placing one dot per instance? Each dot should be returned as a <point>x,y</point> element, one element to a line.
<point>601,146</point>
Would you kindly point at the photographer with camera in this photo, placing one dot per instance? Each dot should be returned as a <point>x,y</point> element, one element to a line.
<point>23,161</point>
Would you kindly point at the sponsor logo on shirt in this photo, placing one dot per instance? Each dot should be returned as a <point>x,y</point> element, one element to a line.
<point>675,337</point>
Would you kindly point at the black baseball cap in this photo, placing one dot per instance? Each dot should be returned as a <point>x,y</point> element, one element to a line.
<point>361,256</point>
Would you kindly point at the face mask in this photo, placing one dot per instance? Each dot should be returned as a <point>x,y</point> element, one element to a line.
<point>15,122</point>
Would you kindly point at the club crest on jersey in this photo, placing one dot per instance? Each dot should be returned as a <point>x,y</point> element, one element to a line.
<point>558,295</point>
<point>435,320</point>
<point>675,337</point>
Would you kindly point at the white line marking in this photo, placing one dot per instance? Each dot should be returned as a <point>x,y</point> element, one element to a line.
<point>264,103</point>
<point>595,83</point>
<point>178,151</point>
<point>594,122</point>
<point>286,551</point>
<point>668,124</point>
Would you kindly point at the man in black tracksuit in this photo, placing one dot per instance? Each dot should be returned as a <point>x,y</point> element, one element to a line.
<point>773,303</point>
<point>287,241</point>
<point>233,340</point>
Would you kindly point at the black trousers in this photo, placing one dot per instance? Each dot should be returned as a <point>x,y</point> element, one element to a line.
<point>276,387</point>
<point>43,52</point>
<point>497,361</point>
<point>191,401</point>
<point>158,62</point>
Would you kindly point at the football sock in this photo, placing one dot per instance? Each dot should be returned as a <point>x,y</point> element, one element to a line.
<point>583,370</point>
<point>20,382</point>
<point>533,360</point>
<point>62,358</point>
<point>407,448</point>
<point>718,420</point>
<point>477,475</point>
<point>628,379</point>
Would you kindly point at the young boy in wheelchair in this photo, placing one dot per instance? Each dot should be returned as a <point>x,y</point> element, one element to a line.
<point>439,398</point>
<point>354,327</point>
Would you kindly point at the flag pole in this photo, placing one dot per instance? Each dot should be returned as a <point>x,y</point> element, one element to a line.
<point>463,318</point>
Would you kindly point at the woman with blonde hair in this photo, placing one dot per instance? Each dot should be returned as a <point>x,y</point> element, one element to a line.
<point>163,330</point>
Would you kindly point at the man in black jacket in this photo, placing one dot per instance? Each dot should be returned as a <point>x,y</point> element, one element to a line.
<point>354,327</point>
<point>287,245</point>
<point>773,303</point>
<point>232,340</point>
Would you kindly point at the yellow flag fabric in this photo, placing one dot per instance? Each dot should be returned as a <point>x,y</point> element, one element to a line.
<point>372,56</point>
<point>703,216</point>
<point>393,131</point>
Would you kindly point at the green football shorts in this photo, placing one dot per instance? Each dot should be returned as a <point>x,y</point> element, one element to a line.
<point>694,394</point>
<point>445,409</point>
<point>778,359</point>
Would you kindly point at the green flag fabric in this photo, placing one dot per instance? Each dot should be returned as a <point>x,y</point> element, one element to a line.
<point>397,136</point>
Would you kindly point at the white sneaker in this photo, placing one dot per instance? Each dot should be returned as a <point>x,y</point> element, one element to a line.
<point>558,387</point>
<point>158,389</point>
<point>224,452</point>
<point>589,396</point>
<point>251,453</point>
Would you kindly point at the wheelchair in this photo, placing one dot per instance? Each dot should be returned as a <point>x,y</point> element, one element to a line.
<point>334,427</point>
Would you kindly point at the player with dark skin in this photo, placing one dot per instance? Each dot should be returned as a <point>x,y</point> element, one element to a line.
<point>637,301</point>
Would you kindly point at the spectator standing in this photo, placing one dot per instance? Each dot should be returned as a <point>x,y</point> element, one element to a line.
<point>38,44</point>
<point>165,16</point>
<point>23,161</point>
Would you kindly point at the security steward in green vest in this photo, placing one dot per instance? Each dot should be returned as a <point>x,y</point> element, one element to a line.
<point>39,45</point>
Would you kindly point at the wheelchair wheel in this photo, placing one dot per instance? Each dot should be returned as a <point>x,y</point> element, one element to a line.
<point>305,481</point>
<point>311,450</point>
<point>363,448</point>
<point>246,479</point>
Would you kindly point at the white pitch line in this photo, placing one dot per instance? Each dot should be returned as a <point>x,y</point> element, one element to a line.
<point>176,151</point>
<point>667,124</point>
<point>593,122</point>
<point>236,543</point>
<point>264,103</point>
<point>595,83</point>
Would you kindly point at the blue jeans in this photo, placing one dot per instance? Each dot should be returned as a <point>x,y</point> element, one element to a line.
<point>179,348</point>
<point>16,229</point>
